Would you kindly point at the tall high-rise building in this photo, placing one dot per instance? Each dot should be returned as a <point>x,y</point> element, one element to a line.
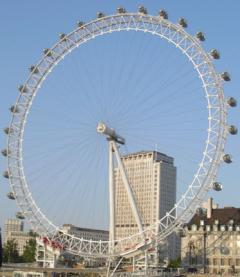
<point>14,230</point>
<point>152,176</point>
<point>12,225</point>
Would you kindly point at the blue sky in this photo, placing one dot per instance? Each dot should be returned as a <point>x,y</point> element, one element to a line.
<point>27,27</point>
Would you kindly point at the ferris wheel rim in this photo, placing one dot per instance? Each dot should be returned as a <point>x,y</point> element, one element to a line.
<point>216,131</point>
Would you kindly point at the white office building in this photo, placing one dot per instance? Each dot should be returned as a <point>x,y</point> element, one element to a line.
<point>152,176</point>
<point>14,230</point>
<point>86,233</point>
<point>48,252</point>
<point>12,225</point>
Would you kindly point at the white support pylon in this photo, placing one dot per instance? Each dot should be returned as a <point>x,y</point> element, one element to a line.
<point>111,197</point>
<point>128,189</point>
<point>114,138</point>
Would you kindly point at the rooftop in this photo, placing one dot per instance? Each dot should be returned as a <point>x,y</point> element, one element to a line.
<point>157,156</point>
<point>223,215</point>
<point>73,227</point>
<point>144,152</point>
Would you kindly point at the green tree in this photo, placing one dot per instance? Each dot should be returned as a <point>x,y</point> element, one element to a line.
<point>32,233</point>
<point>175,263</point>
<point>10,252</point>
<point>29,251</point>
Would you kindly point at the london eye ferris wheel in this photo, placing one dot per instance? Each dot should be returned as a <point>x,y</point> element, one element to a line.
<point>137,80</point>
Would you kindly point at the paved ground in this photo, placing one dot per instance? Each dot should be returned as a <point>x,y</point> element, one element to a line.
<point>7,272</point>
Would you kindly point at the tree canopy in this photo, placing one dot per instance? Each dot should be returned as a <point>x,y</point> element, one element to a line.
<point>175,263</point>
<point>29,251</point>
<point>10,253</point>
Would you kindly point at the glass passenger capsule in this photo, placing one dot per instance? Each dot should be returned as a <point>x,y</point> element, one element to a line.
<point>142,10</point>
<point>225,76</point>
<point>200,36</point>
<point>100,15</point>
<point>121,10</point>
<point>227,158</point>
<point>47,52</point>
<point>7,130</point>
<point>217,186</point>
<point>22,88</point>
<point>233,130</point>
<point>232,102</point>
<point>6,174</point>
<point>63,37</point>
<point>33,69</point>
<point>215,54</point>
<point>20,215</point>
<point>182,21</point>
<point>163,14</point>
<point>80,23</point>
<point>4,152</point>
<point>14,109</point>
<point>11,195</point>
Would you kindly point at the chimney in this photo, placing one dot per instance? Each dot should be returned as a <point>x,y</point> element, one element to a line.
<point>209,207</point>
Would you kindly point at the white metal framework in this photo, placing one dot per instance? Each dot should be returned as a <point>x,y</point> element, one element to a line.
<point>212,155</point>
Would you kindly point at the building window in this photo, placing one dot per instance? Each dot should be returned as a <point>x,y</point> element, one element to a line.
<point>215,228</point>
<point>208,228</point>
<point>222,261</point>
<point>215,261</point>
<point>194,227</point>
<point>222,228</point>
<point>238,262</point>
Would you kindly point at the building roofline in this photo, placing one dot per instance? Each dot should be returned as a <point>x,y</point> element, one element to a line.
<point>85,229</point>
<point>223,215</point>
<point>142,152</point>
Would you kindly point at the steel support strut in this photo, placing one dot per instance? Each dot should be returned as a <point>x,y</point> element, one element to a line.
<point>113,139</point>
<point>128,189</point>
<point>111,197</point>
